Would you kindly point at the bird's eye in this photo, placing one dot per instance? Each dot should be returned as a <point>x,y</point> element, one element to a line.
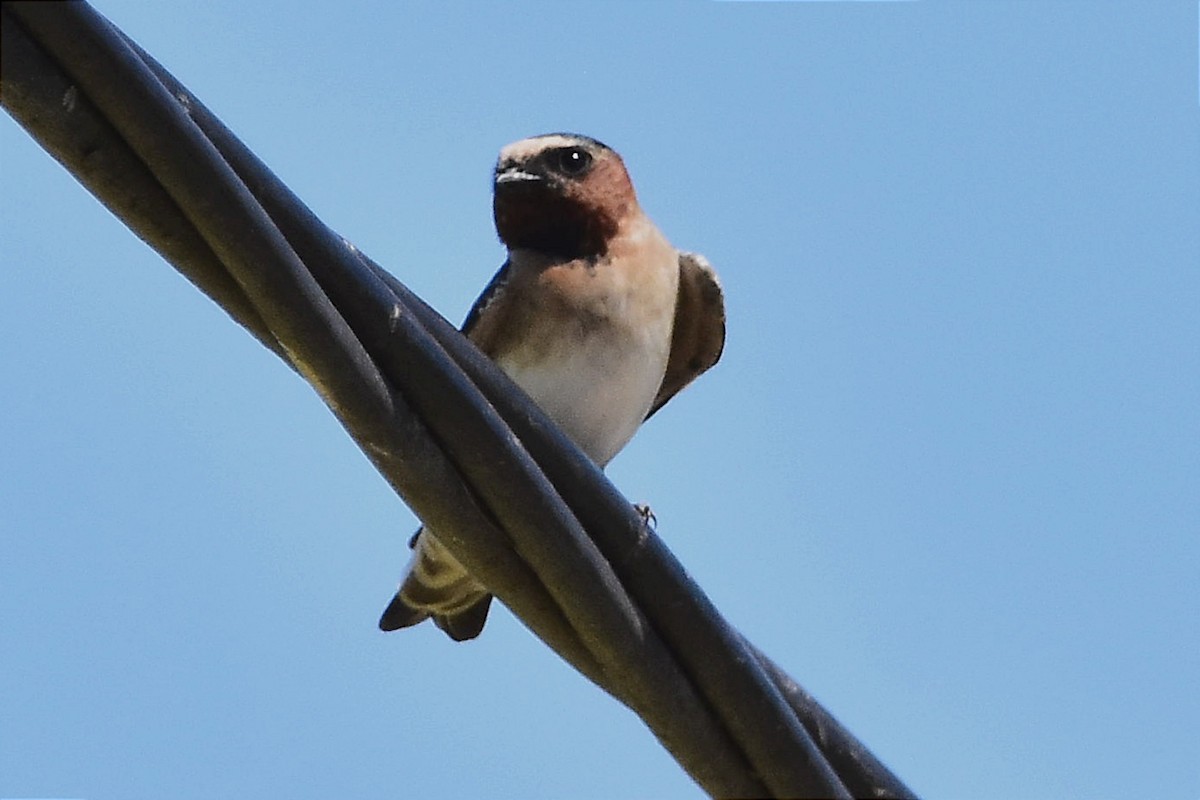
<point>573,161</point>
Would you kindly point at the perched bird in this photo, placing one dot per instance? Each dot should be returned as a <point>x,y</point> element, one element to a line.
<point>595,315</point>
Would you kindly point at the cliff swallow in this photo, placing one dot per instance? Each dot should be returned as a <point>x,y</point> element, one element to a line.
<point>595,315</point>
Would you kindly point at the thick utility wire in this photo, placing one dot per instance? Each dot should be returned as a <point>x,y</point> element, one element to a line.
<point>520,506</point>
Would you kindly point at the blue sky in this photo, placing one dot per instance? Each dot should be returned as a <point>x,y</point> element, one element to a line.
<point>947,472</point>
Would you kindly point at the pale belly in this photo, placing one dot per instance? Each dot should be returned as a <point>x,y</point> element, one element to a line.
<point>597,388</point>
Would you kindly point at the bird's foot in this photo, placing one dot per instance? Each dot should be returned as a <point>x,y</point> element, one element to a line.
<point>648,519</point>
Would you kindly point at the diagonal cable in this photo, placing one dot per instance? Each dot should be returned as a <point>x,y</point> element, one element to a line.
<point>347,324</point>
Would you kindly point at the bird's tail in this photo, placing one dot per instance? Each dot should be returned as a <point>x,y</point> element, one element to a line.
<point>436,585</point>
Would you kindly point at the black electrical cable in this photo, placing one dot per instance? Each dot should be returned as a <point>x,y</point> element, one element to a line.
<point>594,587</point>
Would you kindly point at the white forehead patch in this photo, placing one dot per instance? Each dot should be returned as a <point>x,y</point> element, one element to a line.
<point>526,148</point>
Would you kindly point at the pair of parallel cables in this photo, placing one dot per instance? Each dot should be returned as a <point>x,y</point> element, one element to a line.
<point>531,516</point>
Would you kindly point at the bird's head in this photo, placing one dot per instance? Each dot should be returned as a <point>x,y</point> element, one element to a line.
<point>561,194</point>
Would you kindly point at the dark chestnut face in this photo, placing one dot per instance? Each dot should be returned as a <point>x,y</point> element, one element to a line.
<point>561,195</point>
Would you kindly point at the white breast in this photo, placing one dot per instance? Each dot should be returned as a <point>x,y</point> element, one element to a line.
<point>598,388</point>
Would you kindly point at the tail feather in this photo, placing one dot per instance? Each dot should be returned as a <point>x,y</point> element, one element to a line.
<point>467,624</point>
<point>436,585</point>
<point>400,614</point>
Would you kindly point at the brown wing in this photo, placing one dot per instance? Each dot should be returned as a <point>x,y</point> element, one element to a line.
<point>489,293</point>
<point>699,333</point>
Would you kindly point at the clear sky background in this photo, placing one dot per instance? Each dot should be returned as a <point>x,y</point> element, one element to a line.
<point>947,472</point>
